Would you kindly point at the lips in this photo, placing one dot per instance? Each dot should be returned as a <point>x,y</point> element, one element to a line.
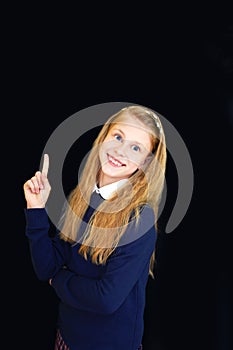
<point>115,162</point>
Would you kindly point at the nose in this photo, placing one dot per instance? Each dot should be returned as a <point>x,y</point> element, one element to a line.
<point>121,148</point>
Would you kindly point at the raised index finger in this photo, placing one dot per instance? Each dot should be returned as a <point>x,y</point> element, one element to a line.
<point>45,166</point>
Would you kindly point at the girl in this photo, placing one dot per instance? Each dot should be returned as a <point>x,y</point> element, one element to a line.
<point>100,258</point>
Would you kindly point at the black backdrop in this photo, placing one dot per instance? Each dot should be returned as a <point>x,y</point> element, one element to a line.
<point>179,65</point>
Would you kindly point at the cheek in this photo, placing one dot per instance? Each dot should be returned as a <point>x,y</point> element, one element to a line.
<point>103,147</point>
<point>108,144</point>
<point>132,165</point>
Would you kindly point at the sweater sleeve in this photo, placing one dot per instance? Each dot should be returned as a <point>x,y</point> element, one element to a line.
<point>124,268</point>
<point>46,252</point>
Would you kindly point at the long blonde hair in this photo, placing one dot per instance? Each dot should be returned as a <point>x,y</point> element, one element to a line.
<point>146,186</point>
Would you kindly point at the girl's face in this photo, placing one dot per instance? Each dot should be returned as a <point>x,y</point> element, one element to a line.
<point>124,150</point>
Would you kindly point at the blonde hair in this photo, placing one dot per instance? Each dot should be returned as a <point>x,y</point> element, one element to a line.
<point>146,188</point>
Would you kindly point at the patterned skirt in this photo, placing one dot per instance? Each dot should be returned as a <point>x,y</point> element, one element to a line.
<point>60,344</point>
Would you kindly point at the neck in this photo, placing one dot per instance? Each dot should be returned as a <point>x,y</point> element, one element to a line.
<point>106,180</point>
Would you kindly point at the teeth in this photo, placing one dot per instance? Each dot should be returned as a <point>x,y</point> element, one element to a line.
<point>114,161</point>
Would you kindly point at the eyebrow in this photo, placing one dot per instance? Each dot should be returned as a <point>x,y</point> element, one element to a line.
<point>119,130</point>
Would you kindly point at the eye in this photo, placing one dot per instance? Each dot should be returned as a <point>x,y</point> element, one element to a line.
<point>118,137</point>
<point>135,148</point>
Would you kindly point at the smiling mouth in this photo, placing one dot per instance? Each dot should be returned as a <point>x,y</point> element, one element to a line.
<point>114,162</point>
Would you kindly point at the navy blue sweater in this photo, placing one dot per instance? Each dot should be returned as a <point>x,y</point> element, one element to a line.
<point>101,306</point>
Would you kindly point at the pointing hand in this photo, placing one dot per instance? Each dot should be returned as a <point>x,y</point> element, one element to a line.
<point>37,189</point>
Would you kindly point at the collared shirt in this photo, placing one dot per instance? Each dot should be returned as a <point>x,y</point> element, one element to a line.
<point>107,191</point>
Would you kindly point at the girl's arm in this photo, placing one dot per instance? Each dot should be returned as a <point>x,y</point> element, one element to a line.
<point>123,270</point>
<point>46,253</point>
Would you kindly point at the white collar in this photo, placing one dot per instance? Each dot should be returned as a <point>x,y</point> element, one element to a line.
<point>107,191</point>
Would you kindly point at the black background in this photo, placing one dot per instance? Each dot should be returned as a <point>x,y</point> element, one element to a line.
<point>179,62</point>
